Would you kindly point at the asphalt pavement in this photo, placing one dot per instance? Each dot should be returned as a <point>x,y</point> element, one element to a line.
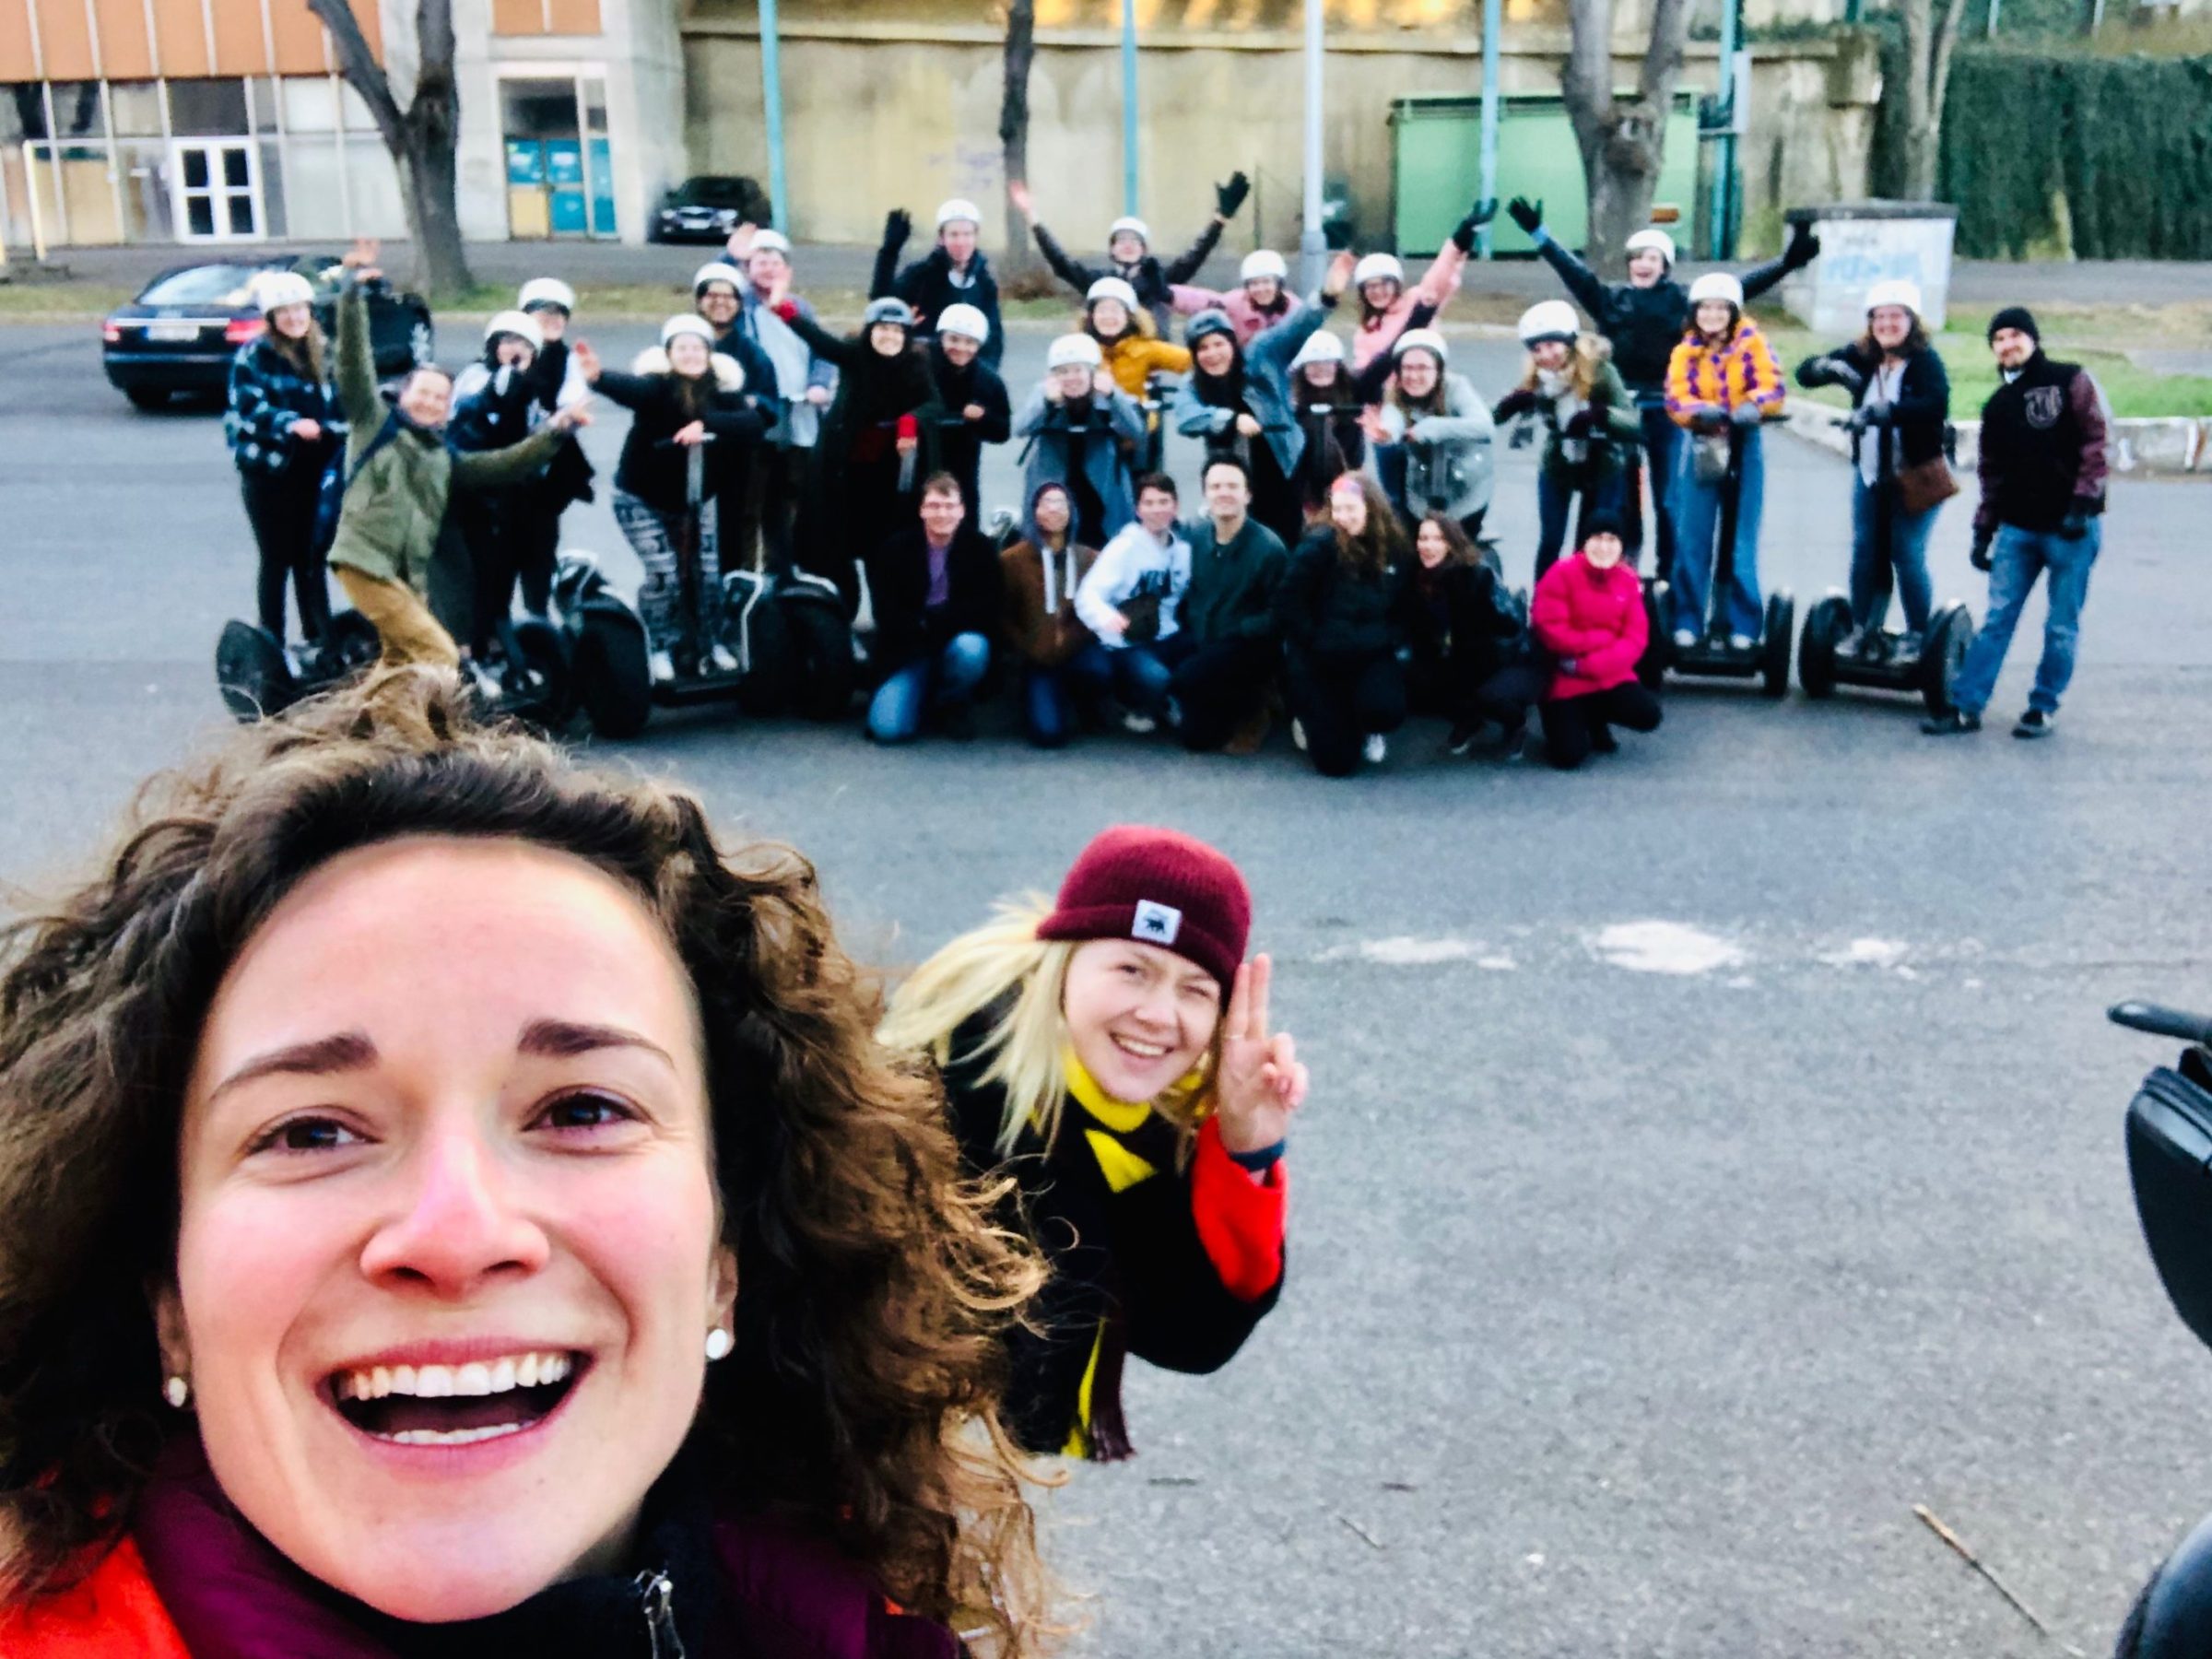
<point>1712,1154</point>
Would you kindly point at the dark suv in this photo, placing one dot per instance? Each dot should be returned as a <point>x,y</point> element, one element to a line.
<point>707,208</point>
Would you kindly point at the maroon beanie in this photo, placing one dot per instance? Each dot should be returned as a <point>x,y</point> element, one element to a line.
<point>1157,886</point>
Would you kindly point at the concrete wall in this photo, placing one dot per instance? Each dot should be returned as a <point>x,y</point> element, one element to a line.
<point>880,116</point>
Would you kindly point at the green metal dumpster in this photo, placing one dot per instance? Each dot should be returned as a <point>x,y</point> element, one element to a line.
<point>1436,168</point>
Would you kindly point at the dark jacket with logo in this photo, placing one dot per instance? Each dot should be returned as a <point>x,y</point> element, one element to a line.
<point>1233,584</point>
<point>2042,448</point>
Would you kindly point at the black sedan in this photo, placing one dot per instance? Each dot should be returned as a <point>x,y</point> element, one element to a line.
<point>707,208</point>
<point>183,330</point>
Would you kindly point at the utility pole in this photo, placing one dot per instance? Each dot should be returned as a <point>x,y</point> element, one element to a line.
<point>1722,234</point>
<point>1313,246</point>
<point>771,99</point>
<point>1129,113</point>
<point>1493,24</point>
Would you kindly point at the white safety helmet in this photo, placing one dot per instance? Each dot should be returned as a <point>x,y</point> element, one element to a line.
<point>1263,262</point>
<point>720,270</point>
<point>545,290</point>
<point>771,241</point>
<point>964,320</point>
<point>1134,226</point>
<point>1655,240</point>
<point>1897,292</point>
<point>521,325</point>
<point>1716,285</point>
<point>689,322</point>
<point>952,210</point>
<point>1421,339</point>
<point>273,290</point>
<point>1321,347</point>
<point>1549,319</point>
<point>1378,265</point>
<point>1111,287</point>
<point>1073,349</point>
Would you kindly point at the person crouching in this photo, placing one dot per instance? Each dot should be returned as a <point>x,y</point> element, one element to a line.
<point>1588,612</point>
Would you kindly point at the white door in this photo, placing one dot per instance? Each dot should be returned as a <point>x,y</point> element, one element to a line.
<point>217,190</point>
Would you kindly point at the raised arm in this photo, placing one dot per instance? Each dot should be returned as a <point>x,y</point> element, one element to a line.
<point>1189,301</point>
<point>1187,263</point>
<point>897,226</point>
<point>826,347</point>
<point>1072,272</point>
<point>1805,247</point>
<point>356,373</point>
<point>484,468</point>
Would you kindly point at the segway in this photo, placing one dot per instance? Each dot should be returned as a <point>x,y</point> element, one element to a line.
<point>1880,659</point>
<point>1767,658</point>
<point>257,678</point>
<point>1159,390</point>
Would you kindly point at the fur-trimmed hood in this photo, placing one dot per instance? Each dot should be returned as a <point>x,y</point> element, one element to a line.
<point>729,375</point>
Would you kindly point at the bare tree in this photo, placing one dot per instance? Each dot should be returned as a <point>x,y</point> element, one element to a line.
<point>421,137</point>
<point>1014,130</point>
<point>1916,113</point>
<point>1623,140</point>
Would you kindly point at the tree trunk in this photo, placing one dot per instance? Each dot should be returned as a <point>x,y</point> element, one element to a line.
<point>1622,141</point>
<point>1930,36</point>
<point>1014,129</point>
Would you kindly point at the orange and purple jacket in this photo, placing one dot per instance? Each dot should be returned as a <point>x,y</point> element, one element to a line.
<point>1744,371</point>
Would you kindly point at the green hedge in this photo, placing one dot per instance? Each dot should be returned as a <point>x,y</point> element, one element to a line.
<point>2100,158</point>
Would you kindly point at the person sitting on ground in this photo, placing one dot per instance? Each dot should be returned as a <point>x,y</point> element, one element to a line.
<point>442,1088</point>
<point>1387,305</point>
<point>680,395</point>
<point>401,475</point>
<point>1443,431</point>
<point>934,589</point>
<point>1129,341</point>
<point>1133,601</point>
<point>495,403</point>
<point>1111,1059</point>
<point>1221,690</point>
<point>1590,426</point>
<point>1901,400</point>
<point>1473,661</point>
<point>955,272</point>
<point>1722,385</point>
<point>1344,609</point>
<point>1082,429</point>
<point>1262,298</point>
<point>1065,676</point>
<point>1129,251</point>
<point>968,389</point>
<point>1588,613</point>
<point>2043,473</point>
<point>1642,319</point>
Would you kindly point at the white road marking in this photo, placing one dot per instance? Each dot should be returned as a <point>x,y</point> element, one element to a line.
<point>1656,946</point>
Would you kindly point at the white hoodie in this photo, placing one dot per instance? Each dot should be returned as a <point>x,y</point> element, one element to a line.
<point>1135,562</point>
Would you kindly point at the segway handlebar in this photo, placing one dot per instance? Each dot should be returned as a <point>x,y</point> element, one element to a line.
<point>2162,1021</point>
<point>672,443</point>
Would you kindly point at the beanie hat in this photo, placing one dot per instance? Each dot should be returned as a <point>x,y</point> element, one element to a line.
<point>2016,316</point>
<point>1159,887</point>
<point>1601,522</point>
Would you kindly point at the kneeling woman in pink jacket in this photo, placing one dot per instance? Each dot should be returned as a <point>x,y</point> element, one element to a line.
<point>1588,613</point>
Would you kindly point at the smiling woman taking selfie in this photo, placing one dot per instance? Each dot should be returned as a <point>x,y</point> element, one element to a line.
<point>1112,1054</point>
<point>449,1206</point>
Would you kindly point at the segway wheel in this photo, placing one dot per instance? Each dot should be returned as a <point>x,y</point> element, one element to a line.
<point>251,673</point>
<point>821,647</point>
<point>1774,648</point>
<point>613,679</point>
<point>1651,667</point>
<point>1951,631</point>
<point>1825,626</point>
<point>540,688</point>
<point>753,631</point>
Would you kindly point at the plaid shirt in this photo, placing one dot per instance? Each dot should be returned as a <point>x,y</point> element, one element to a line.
<point>268,394</point>
<point>1741,372</point>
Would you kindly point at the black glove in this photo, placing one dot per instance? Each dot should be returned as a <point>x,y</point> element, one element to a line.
<point>1805,247</point>
<point>1581,424</point>
<point>1230,196</point>
<point>1864,415</point>
<point>898,225</point>
<point>1481,213</point>
<point>1524,435</point>
<point>1513,404</point>
<point>1979,557</point>
<point>2076,524</point>
<point>1526,213</point>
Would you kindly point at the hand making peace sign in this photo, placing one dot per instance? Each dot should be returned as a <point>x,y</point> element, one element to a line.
<point>1261,1081</point>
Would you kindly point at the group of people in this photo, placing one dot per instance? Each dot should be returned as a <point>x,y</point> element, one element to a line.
<point>1332,574</point>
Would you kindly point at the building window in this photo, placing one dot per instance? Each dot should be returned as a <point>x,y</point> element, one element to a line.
<point>208,109</point>
<point>136,108</point>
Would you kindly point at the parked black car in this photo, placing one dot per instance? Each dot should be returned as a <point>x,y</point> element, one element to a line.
<point>182,331</point>
<point>707,208</point>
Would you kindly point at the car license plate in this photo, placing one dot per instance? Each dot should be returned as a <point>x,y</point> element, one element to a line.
<point>172,332</point>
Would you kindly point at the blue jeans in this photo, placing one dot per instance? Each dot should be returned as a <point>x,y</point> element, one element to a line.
<point>1696,508</point>
<point>1053,698</point>
<point>895,712</point>
<point>2016,560</point>
<point>1870,578</point>
<point>1554,500</point>
<point>1142,674</point>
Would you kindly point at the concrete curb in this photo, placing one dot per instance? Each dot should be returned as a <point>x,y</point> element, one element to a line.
<point>2168,444</point>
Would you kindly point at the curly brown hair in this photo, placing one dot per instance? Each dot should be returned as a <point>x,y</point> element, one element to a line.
<point>874,1285</point>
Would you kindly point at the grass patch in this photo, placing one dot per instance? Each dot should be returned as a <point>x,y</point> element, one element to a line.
<point>60,301</point>
<point>2134,392</point>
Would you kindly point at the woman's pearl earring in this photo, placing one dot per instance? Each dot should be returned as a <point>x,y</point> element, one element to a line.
<point>177,1392</point>
<point>719,1343</point>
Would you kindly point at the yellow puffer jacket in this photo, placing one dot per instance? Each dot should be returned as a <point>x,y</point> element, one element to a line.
<point>1139,353</point>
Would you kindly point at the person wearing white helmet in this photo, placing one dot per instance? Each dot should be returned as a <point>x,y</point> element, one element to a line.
<point>496,403</point>
<point>1444,433</point>
<point>954,272</point>
<point>1128,340</point>
<point>551,303</point>
<point>1387,306</point>
<point>1722,385</point>
<point>1129,251</point>
<point>1901,402</point>
<point>1330,407</point>
<point>976,409</point>
<point>1590,426</point>
<point>284,425</point>
<point>1262,298</point>
<point>1643,318</point>
<point>794,389</point>
<point>1081,430</point>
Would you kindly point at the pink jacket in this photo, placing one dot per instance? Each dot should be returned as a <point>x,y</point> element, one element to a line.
<point>1591,618</point>
<point>1438,284</point>
<point>1248,319</point>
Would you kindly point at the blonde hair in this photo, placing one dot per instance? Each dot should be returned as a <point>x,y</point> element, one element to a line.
<point>1584,365</point>
<point>1004,960</point>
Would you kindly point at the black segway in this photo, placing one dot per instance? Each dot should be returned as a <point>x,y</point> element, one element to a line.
<point>1160,392</point>
<point>1881,660</point>
<point>257,678</point>
<point>1767,658</point>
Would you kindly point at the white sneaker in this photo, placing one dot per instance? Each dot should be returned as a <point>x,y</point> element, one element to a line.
<point>1374,750</point>
<point>1142,725</point>
<point>1686,638</point>
<point>725,660</point>
<point>1741,642</point>
<point>1298,735</point>
<point>661,667</point>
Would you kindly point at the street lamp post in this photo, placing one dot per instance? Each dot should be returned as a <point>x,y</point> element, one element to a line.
<point>771,101</point>
<point>1493,26</point>
<point>1129,115</point>
<point>1313,246</point>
